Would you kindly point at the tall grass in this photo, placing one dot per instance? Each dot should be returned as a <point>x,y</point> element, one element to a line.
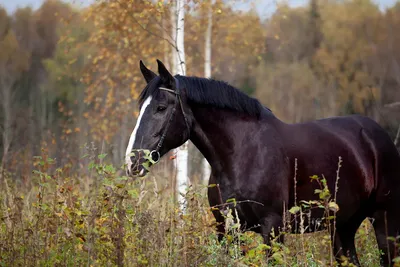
<point>103,218</point>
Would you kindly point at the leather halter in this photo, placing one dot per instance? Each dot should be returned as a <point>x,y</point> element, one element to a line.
<point>178,99</point>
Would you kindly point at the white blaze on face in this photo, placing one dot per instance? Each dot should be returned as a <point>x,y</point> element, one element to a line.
<point>132,139</point>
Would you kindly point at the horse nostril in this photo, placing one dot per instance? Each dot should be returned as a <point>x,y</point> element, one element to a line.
<point>135,168</point>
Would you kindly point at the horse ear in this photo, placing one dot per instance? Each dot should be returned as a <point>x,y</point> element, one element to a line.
<point>147,74</point>
<point>166,77</point>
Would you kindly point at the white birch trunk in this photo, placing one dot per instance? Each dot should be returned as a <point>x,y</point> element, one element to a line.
<point>180,41</point>
<point>182,154</point>
<point>207,74</point>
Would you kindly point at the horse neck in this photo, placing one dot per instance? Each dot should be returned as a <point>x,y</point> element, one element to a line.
<point>219,135</point>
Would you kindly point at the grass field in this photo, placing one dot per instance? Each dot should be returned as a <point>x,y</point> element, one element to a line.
<point>103,219</point>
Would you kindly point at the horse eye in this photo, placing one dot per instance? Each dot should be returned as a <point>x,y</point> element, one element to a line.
<point>161,108</point>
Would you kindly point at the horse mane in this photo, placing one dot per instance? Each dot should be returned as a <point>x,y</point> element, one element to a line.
<point>210,92</point>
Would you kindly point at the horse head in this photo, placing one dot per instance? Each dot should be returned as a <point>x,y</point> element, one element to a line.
<point>164,121</point>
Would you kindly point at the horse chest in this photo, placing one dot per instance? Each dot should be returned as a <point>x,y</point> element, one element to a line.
<point>250,201</point>
<point>241,206</point>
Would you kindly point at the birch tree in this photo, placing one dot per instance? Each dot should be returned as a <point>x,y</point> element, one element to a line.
<point>207,74</point>
<point>182,153</point>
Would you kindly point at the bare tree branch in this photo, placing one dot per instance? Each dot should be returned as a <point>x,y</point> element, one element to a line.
<point>145,29</point>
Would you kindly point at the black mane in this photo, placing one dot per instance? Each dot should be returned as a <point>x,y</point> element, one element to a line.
<point>210,92</point>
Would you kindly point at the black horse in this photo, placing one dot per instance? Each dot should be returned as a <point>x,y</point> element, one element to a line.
<point>253,156</point>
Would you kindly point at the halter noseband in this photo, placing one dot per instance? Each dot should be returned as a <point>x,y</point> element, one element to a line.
<point>177,93</point>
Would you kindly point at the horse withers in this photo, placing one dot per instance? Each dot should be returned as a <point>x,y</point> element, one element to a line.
<point>259,160</point>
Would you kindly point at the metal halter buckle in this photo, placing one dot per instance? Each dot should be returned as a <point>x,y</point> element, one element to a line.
<point>157,154</point>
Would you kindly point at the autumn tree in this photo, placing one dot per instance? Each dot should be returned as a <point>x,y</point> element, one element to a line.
<point>286,81</point>
<point>36,35</point>
<point>113,78</point>
<point>342,59</point>
<point>13,61</point>
<point>64,88</point>
<point>323,56</point>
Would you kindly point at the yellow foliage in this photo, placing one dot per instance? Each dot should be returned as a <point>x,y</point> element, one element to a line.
<point>346,47</point>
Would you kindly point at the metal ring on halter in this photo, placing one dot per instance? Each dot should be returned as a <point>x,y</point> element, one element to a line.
<point>157,154</point>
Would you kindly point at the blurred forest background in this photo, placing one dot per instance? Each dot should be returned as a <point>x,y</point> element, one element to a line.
<point>69,77</point>
<point>69,81</point>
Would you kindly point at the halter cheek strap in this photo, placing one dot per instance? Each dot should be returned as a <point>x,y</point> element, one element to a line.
<point>155,154</point>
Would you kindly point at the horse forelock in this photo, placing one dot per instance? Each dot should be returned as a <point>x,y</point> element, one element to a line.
<point>151,89</point>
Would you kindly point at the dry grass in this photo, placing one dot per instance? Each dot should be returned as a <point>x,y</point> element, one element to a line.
<point>61,220</point>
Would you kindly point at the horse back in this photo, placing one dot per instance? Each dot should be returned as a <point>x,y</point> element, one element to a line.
<point>386,164</point>
<point>353,153</point>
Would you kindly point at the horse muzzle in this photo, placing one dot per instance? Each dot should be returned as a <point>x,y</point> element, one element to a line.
<point>137,170</point>
<point>140,161</point>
